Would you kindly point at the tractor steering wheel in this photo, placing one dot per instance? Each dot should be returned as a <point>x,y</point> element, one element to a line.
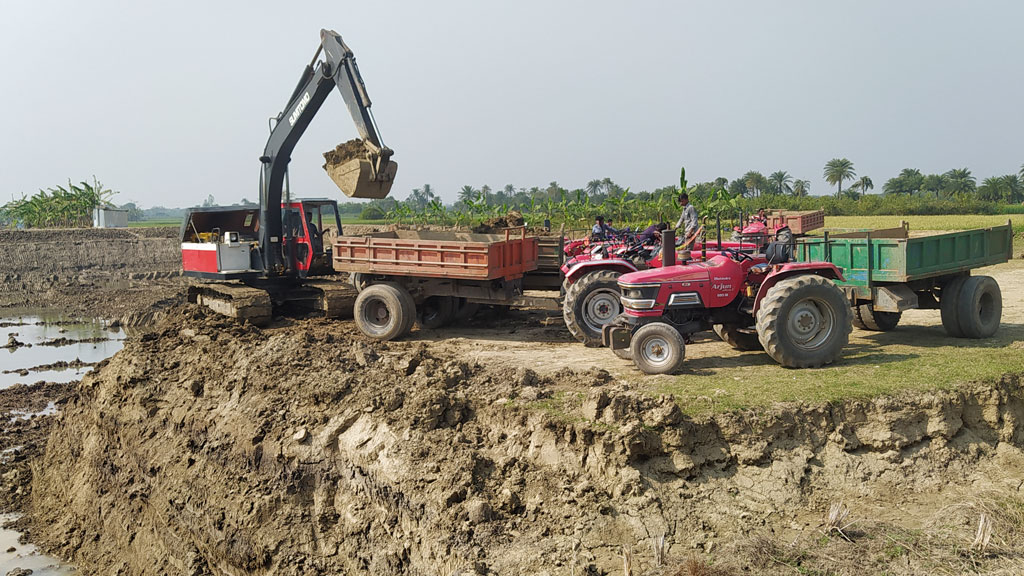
<point>736,254</point>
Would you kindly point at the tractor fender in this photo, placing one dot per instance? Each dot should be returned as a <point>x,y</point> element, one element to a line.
<point>583,268</point>
<point>824,269</point>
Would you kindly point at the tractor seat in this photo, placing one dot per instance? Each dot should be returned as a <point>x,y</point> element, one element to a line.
<point>779,253</point>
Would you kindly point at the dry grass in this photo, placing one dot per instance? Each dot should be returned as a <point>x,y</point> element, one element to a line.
<point>835,521</point>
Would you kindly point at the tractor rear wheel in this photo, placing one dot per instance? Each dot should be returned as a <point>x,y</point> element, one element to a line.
<point>436,311</point>
<point>980,307</point>
<point>657,348</point>
<point>866,317</point>
<point>384,311</point>
<point>590,303</point>
<point>949,299</point>
<point>804,321</point>
<point>743,339</point>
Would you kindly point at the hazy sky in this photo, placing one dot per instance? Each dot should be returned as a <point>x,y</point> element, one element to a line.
<point>167,102</point>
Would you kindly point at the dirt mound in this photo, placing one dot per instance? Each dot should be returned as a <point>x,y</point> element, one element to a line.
<point>209,447</point>
<point>496,225</point>
<point>344,152</point>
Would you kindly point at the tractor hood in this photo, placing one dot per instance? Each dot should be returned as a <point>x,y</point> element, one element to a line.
<point>694,272</point>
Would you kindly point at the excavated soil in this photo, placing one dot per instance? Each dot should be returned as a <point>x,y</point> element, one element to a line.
<point>211,447</point>
<point>344,152</point>
<point>495,225</point>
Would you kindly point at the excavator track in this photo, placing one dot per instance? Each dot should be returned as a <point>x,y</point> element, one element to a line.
<point>335,299</point>
<point>234,300</point>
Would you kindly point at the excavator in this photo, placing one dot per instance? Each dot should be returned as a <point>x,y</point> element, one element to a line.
<point>259,257</point>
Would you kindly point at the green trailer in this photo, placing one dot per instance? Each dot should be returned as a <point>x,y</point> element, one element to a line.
<point>889,271</point>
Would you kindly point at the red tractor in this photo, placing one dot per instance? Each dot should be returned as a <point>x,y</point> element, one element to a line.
<point>792,310</point>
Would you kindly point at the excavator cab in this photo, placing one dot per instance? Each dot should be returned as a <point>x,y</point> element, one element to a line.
<point>311,225</point>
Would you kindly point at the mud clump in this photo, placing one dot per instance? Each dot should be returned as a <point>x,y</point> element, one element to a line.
<point>344,152</point>
<point>513,219</point>
<point>211,447</point>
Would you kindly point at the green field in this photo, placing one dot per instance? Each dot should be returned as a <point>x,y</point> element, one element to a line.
<point>155,223</point>
<point>948,222</point>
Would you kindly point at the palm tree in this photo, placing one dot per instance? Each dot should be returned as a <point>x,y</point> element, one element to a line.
<point>837,170</point>
<point>755,182</point>
<point>1013,188</point>
<point>780,182</point>
<point>801,188</point>
<point>862,186</point>
<point>467,194</point>
<point>593,187</point>
<point>959,181</point>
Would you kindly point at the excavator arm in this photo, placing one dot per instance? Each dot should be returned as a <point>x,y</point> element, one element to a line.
<point>367,174</point>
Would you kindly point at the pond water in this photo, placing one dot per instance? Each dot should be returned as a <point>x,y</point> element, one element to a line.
<point>37,328</point>
<point>88,341</point>
<point>26,555</point>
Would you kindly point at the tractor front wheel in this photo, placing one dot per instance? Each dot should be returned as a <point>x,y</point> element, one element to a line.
<point>657,348</point>
<point>804,321</point>
<point>590,303</point>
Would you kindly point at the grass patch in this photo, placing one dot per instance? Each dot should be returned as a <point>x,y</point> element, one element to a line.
<point>917,355</point>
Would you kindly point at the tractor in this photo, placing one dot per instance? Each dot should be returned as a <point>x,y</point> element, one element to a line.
<point>794,311</point>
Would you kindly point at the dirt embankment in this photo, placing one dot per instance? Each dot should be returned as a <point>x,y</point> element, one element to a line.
<point>104,273</point>
<point>208,447</point>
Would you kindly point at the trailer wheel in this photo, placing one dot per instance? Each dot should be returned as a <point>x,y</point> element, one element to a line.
<point>980,307</point>
<point>949,297</point>
<point>590,303</point>
<point>866,317</point>
<point>657,348</point>
<point>464,310</point>
<point>804,321</point>
<point>358,280</point>
<point>436,311</point>
<point>743,339</point>
<point>384,311</point>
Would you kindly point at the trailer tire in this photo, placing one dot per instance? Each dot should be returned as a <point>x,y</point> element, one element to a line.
<point>436,311</point>
<point>658,348</point>
<point>743,339</point>
<point>804,321</point>
<point>358,280</point>
<point>590,303</point>
<point>384,311</point>
<point>464,310</point>
<point>949,299</point>
<point>980,307</point>
<point>866,317</point>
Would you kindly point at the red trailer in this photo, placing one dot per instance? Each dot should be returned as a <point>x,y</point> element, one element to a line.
<point>408,275</point>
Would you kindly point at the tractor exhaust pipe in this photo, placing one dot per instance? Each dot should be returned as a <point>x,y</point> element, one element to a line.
<point>668,247</point>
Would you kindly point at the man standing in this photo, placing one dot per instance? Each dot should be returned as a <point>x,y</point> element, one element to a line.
<point>688,219</point>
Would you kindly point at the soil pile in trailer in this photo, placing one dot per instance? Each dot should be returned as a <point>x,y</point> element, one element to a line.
<point>495,225</point>
<point>342,153</point>
<point>213,447</point>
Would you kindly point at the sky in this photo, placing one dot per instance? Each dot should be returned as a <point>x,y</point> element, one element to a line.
<point>168,102</point>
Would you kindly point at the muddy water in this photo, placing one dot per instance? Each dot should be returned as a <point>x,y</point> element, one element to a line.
<point>38,327</point>
<point>26,556</point>
<point>88,342</point>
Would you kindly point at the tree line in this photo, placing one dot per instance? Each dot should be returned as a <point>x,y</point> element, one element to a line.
<point>909,192</point>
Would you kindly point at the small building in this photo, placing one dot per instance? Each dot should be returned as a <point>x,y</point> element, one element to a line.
<point>109,218</point>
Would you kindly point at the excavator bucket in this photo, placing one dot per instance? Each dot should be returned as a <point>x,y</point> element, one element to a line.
<point>351,167</point>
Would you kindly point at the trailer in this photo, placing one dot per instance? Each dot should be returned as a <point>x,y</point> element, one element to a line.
<point>889,271</point>
<point>431,277</point>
